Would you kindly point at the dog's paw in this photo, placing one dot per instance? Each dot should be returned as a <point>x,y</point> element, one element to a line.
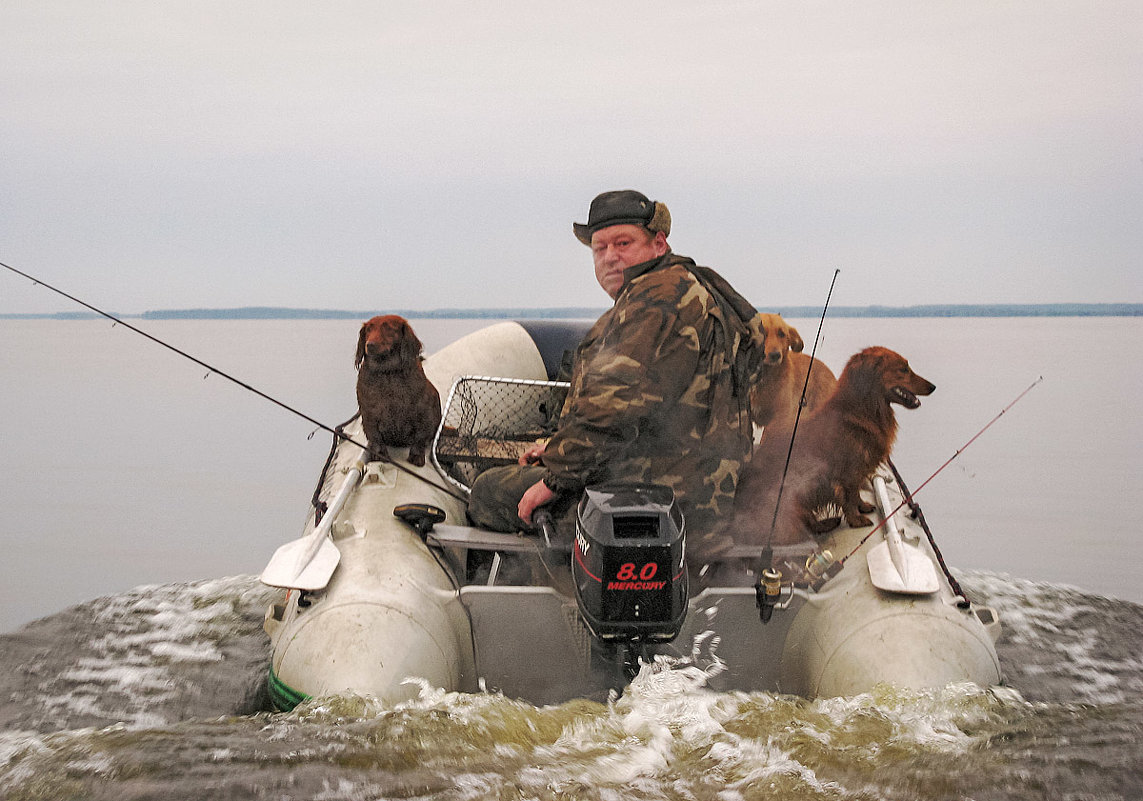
<point>857,521</point>
<point>417,458</point>
<point>865,508</point>
<point>825,525</point>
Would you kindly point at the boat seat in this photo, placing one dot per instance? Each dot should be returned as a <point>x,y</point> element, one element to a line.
<point>489,421</point>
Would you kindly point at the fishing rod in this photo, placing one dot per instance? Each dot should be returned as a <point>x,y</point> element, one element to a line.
<point>769,583</point>
<point>337,433</point>
<point>908,501</point>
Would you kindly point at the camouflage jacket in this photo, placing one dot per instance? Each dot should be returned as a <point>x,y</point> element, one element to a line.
<point>654,399</point>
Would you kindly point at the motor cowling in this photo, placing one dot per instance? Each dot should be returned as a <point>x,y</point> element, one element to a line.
<point>628,562</point>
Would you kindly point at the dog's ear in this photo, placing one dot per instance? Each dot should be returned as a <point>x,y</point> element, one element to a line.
<point>360,357</point>
<point>410,345</point>
<point>796,343</point>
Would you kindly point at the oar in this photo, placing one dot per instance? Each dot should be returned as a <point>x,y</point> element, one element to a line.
<point>308,563</point>
<point>894,565</point>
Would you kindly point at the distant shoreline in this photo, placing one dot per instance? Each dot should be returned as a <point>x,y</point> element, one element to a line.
<point>581,312</point>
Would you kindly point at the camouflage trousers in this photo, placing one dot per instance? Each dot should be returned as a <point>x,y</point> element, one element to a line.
<point>496,495</point>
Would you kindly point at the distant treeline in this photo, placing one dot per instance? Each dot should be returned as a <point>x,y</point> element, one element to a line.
<point>584,312</point>
<point>270,313</point>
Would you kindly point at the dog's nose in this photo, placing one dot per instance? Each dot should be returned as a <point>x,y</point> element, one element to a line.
<point>773,357</point>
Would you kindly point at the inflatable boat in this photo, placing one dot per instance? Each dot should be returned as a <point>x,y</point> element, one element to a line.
<point>390,582</point>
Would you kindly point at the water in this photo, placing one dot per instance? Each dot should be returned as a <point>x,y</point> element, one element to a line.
<point>155,694</point>
<point>123,466</point>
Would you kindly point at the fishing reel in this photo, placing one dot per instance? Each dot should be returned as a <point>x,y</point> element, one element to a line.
<point>820,568</point>
<point>768,592</point>
<point>772,591</point>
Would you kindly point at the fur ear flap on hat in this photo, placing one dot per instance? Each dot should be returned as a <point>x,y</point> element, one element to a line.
<point>660,219</point>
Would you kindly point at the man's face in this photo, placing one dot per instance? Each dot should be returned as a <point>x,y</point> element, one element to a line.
<point>618,247</point>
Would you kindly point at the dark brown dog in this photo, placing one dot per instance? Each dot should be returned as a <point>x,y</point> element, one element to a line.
<point>836,451</point>
<point>399,405</point>
<point>776,394</point>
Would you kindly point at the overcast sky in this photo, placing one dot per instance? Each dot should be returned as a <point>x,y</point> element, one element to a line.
<point>383,155</point>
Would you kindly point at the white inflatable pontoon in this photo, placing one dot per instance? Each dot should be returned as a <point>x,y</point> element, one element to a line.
<point>373,598</point>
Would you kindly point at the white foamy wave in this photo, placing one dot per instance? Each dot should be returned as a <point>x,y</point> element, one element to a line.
<point>667,726</point>
<point>748,765</point>
<point>142,646</point>
<point>19,753</point>
<point>932,720</point>
<point>1065,637</point>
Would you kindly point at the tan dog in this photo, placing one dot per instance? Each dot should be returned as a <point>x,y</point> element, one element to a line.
<point>399,406</point>
<point>775,396</point>
<point>836,451</point>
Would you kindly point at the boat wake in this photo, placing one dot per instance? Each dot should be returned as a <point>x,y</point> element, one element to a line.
<point>157,693</point>
<point>148,657</point>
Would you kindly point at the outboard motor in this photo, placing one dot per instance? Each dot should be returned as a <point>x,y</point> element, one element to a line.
<point>627,563</point>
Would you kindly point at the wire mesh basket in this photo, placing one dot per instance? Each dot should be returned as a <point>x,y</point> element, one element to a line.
<point>491,421</point>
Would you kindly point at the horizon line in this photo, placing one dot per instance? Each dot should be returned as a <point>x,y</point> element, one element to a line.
<point>571,312</point>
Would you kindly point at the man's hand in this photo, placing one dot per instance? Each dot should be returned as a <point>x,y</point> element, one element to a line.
<point>534,454</point>
<point>537,495</point>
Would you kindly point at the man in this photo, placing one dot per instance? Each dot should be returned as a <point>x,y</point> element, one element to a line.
<point>658,388</point>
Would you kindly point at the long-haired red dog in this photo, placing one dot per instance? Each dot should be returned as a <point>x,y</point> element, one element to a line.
<point>837,449</point>
<point>400,408</point>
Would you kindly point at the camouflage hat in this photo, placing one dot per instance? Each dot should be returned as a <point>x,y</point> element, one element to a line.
<point>623,207</point>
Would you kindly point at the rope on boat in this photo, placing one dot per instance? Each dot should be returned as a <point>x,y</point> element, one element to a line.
<point>339,435</point>
<point>320,506</point>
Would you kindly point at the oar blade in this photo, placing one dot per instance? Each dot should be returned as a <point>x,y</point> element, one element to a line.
<point>917,575</point>
<point>284,569</point>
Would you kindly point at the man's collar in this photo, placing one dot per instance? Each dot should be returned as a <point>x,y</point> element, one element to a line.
<point>636,270</point>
